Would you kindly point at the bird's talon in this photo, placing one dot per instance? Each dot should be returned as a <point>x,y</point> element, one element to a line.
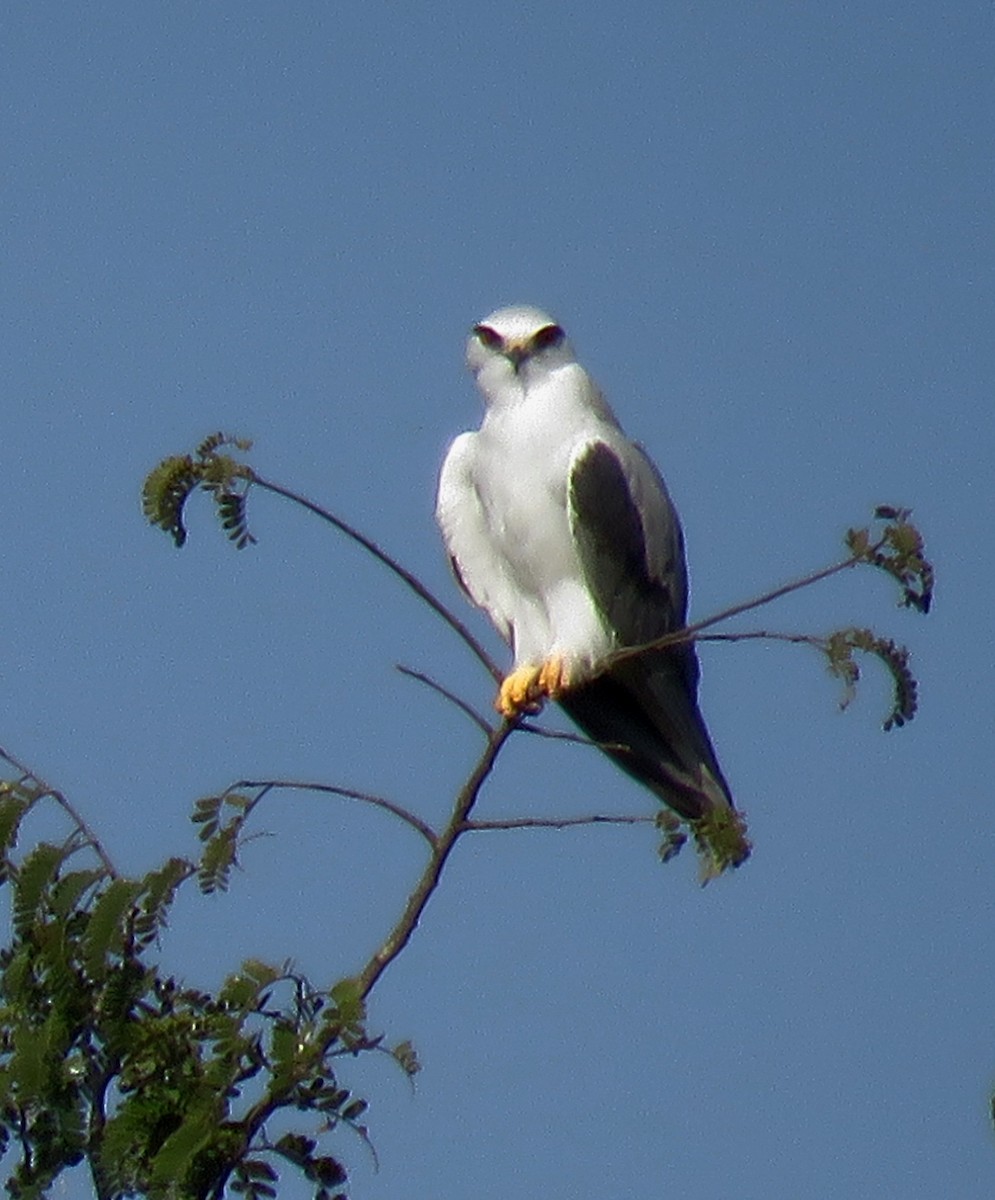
<point>519,693</point>
<point>554,677</point>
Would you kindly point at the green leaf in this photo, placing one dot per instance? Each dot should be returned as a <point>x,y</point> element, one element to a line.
<point>218,858</point>
<point>349,1002</point>
<point>284,1051</point>
<point>107,933</point>
<point>241,990</point>
<point>258,1168</point>
<point>34,877</point>
<point>406,1056</point>
<point>12,809</point>
<point>29,1067</point>
<point>70,887</point>
<point>839,648</point>
<point>166,490</point>
<point>354,1110</point>
<point>157,895</point>
<point>173,1162</point>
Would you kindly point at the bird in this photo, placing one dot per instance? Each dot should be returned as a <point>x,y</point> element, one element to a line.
<point>562,530</point>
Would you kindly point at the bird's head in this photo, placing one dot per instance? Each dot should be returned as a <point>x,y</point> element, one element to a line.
<point>509,347</point>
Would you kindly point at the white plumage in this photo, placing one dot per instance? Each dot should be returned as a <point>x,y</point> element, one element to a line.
<point>562,530</point>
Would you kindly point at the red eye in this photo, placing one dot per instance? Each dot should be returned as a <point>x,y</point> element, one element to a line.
<point>492,340</point>
<point>549,335</point>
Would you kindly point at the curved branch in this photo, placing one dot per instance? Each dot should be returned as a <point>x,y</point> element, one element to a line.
<point>467,709</point>
<point>89,838</point>
<point>402,573</point>
<point>268,785</point>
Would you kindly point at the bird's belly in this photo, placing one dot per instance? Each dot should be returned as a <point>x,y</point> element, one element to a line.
<point>525,500</point>
<point>528,521</point>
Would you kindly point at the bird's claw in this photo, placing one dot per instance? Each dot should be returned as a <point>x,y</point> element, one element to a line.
<point>525,690</point>
<point>554,677</point>
<point>519,693</point>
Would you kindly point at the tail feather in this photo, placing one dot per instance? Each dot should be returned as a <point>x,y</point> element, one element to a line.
<point>644,714</point>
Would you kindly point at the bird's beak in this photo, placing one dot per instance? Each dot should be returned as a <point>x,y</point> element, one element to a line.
<point>516,353</point>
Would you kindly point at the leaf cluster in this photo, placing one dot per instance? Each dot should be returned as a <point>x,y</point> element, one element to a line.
<point>899,551</point>
<point>839,648</point>
<point>169,485</point>
<point>162,1089</point>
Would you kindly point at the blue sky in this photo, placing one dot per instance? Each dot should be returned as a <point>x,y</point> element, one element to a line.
<point>768,231</point>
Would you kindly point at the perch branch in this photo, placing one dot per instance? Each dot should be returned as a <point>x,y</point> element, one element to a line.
<point>689,632</point>
<point>400,935</point>
<point>467,709</point>
<point>557,822</point>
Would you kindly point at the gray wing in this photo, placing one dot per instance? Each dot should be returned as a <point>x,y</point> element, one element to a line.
<point>629,540</point>
<point>644,710</point>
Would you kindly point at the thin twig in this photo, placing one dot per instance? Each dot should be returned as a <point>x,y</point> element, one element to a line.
<point>267,785</point>
<point>89,837</point>
<point>562,735</point>
<point>400,935</point>
<point>767,635</point>
<point>557,822</point>
<point>464,707</point>
<point>689,632</point>
<point>412,581</point>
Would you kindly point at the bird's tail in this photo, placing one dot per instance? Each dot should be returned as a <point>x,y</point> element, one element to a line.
<point>644,714</point>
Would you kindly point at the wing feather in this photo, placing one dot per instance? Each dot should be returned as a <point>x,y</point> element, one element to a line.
<point>628,540</point>
<point>644,711</point>
<point>479,570</point>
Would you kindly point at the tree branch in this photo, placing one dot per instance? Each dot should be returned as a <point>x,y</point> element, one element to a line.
<point>267,785</point>
<point>400,935</point>
<point>767,635</point>
<point>557,822</point>
<point>402,573</point>
<point>467,709</point>
<point>563,735</point>
<point>689,632</point>
<point>89,837</point>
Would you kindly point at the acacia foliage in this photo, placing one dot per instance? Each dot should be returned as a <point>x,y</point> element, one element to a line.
<point>167,1091</point>
<point>162,1090</point>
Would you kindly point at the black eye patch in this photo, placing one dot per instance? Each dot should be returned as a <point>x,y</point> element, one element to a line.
<point>492,340</point>
<point>549,335</point>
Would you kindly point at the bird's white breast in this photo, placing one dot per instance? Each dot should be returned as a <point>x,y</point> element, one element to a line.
<point>525,448</point>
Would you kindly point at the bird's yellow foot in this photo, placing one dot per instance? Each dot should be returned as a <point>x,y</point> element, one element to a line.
<point>525,689</point>
<point>554,677</point>
<point>519,693</point>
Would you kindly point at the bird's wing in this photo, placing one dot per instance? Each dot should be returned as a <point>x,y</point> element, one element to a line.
<point>642,711</point>
<point>628,539</point>
<point>461,517</point>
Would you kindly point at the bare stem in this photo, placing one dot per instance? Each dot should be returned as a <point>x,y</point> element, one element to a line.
<point>562,735</point>
<point>689,632</point>
<point>267,785</point>
<point>767,635</point>
<point>402,573</point>
<point>400,935</point>
<point>466,708</point>
<point>89,837</point>
<point>557,822</point>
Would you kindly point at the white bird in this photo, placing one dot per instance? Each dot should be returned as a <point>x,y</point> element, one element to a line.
<point>562,530</point>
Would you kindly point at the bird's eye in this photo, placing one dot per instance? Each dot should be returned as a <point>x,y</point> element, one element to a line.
<point>549,335</point>
<point>492,340</point>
